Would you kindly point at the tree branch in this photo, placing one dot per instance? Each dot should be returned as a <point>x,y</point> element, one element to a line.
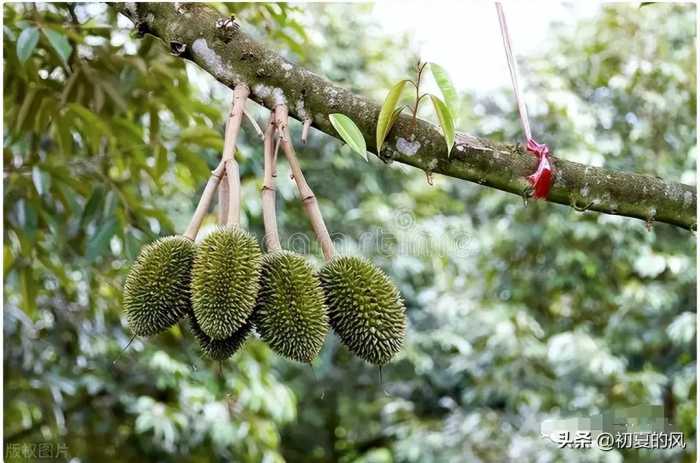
<point>199,33</point>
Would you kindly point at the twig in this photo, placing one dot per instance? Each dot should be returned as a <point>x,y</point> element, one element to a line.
<point>254,123</point>
<point>307,196</point>
<point>268,191</point>
<point>305,131</point>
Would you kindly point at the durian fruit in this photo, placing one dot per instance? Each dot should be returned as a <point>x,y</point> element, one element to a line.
<point>290,314</point>
<point>157,288</point>
<point>365,308</point>
<point>225,281</point>
<point>219,349</point>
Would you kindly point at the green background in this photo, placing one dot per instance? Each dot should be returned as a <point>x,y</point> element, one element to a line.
<point>517,313</point>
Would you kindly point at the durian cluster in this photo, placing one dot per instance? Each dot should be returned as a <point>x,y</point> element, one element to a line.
<point>228,290</point>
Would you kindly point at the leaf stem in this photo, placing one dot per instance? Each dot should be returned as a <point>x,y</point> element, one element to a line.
<point>420,67</point>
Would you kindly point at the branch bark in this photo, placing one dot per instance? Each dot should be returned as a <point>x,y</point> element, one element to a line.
<point>199,33</point>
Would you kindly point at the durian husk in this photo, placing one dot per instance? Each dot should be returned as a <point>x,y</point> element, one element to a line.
<point>225,281</point>
<point>290,314</point>
<point>219,349</point>
<point>157,288</point>
<point>365,308</point>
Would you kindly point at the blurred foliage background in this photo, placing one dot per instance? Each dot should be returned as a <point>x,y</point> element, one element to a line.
<point>517,313</point>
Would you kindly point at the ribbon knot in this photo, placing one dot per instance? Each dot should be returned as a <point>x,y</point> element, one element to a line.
<point>541,180</point>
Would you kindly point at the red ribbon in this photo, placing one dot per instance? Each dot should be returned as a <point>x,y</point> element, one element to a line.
<point>541,180</point>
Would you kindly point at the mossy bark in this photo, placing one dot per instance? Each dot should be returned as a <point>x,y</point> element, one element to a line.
<point>199,33</point>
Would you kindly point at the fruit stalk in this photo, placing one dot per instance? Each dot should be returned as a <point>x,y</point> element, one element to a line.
<point>233,126</point>
<point>223,200</point>
<point>234,193</point>
<point>204,202</point>
<point>307,195</point>
<point>268,191</point>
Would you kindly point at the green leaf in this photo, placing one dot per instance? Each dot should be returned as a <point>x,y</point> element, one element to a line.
<point>446,122</point>
<point>21,116</point>
<point>41,180</point>
<point>194,162</point>
<point>385,120</point>
<point>93,206</point>
<point>8,32</point>
<point>395,114</point>
<point>198,133</point>
<point>28,291</point>
<point>349,132</point>
<point>93,126</point>
<point>26,43</point>
<point>161,161</point>
<point>100,240</point>
<point>7,259</point>
<point>60,43</point>
<point>132,245</point>
<point>442,79</point>
<point>62,133</point>
<point>114,94</point>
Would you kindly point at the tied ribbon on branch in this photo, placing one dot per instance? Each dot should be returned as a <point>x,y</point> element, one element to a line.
<point>541,180</point>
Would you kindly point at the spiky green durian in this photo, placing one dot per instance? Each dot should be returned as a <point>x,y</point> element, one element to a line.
<point>365,308</point>
<point>225,281</point>
<point>219,349</point>
<point>290,314</point>
<point>157,288</point>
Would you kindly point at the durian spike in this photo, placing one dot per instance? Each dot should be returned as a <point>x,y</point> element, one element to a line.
<point>307,195</point>
<point>204,202</point>
<point>268,191</point>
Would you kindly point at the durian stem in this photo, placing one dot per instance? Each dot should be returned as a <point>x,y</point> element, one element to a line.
<point>234,193</point>
<point>204,202</point>
<point>228,165</point>
<point>268,191</point>
<point>223,200</point>
<point>233,126</point>
<point>307,195</point>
